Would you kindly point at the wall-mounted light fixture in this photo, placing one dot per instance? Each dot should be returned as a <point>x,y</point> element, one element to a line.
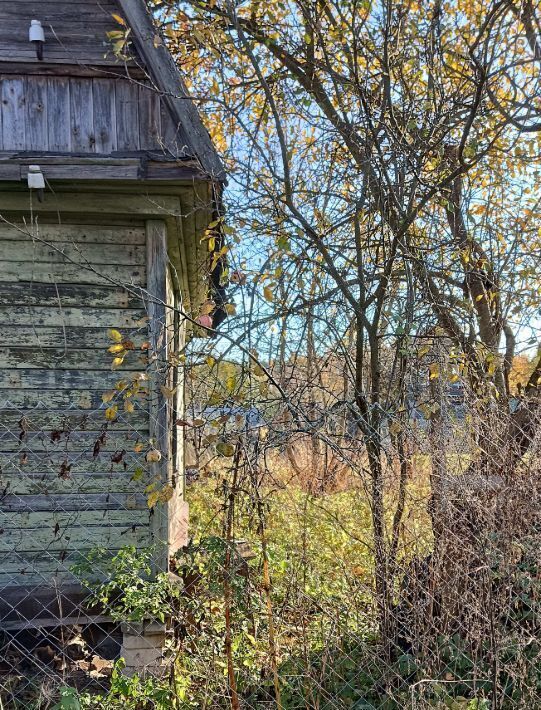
<point>37,37</point>
<point>36,181</point>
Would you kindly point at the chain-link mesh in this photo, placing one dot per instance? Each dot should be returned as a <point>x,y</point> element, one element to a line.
<point>75,490</point>
<point>282,597</point>
<point>383,558</point>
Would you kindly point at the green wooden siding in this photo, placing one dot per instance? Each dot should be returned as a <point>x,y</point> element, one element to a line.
<point>59,295</point>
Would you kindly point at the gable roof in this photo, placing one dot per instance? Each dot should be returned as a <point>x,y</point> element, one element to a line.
<point>164,72</point>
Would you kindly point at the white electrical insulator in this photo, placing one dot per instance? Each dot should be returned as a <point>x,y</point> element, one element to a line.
<point>36,181</point>
<point>36,33</point>
<point>37,36</point>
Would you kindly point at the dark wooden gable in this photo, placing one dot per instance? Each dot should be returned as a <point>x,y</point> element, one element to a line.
<point>82,99</point>
<point>79,115</point>
<point>75,30</point>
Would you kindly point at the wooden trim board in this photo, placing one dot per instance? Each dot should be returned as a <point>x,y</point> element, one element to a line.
<point>157,265</point>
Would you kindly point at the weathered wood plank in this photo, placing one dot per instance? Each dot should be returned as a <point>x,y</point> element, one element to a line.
<point>13,113</point>
<point>104,115</point>
<point>66,70</point>
<point>58,379</point>
<point>134,205</point>
<point>73,34</point>
<point>82,116</point>
<point>57,337</point>
<point>38,464</point>
<point>127,115</point>
<point>71,13</point>
<point>72,442</point>
<point>59,399</point>
<point>68,295</point>
<point>58,97</point>
<point>28,621</point>
<point>72,420</point>
<point>36,114</point>
<point>61,42</point>
<point>54,577</point>
<point>73,538</point>
<point>61,252</point>
<point>76,233</point>
<point>43,272</point>
<point>149,118</point>
<point>82,172</point>
<point>120,318</point>
<point>87,483</point>
<point>24,53</point>
<point>181,170</point>
<point>8,171</point>
<point>47,521</point>
<point>171,132</point>
<point>47,6</point>
<point>69,502</point>
<point>30,581</point>
<point>67,359</point>
<point>45,600</point>
<point>157,263</point>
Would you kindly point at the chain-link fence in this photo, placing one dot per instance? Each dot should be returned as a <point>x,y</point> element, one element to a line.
<point>73,484</point>
<point>285,596</point>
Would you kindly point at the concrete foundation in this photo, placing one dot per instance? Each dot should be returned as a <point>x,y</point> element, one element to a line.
<point>143,646</point>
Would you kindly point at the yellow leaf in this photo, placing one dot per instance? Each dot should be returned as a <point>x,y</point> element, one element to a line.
<point>268,293</point>
<point>207,308</point>
<point>129,406</point>
<point>120,20</point>
<point>230,309</point>
<point>259,371</point>
<point>107,397</point>
<point>153,498</point>
<point>117,348</point>
<point>111,412</point>
<point>114,335</point>
<point>117,362</point>
<point>434,369</point>
<point>480,297</point>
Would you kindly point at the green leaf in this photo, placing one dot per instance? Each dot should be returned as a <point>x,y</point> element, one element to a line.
<point>225,449</point>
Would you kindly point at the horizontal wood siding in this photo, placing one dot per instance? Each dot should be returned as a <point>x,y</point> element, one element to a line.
<point>69,479</point>
<point>84,115</point>
<point>75,31</point>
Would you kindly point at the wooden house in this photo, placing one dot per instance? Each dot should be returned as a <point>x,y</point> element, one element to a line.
<point>108,181</point>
